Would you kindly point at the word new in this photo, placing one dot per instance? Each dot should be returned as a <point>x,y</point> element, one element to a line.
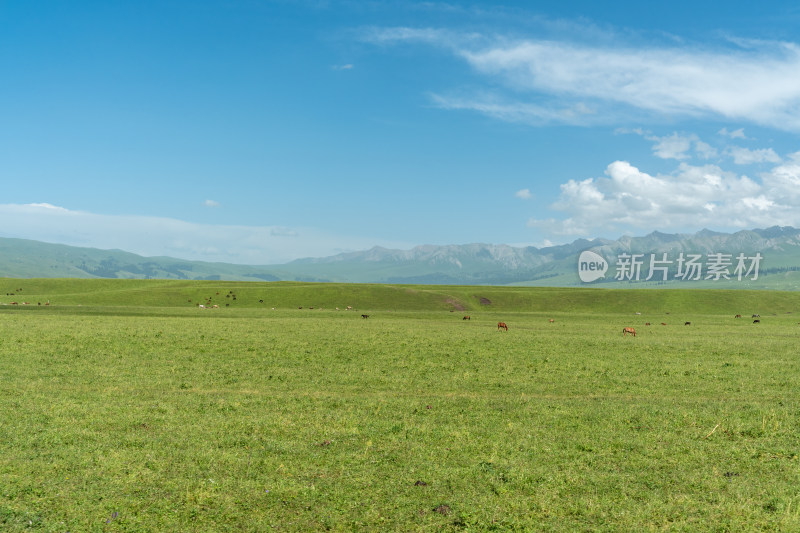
<point>688,267</point>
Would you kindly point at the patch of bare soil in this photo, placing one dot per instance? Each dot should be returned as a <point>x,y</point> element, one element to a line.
<point>486,301</point>
<point>456,304</point>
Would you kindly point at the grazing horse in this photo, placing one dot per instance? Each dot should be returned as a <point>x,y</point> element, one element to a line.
<point>738,316</point>
<point>466,317</point>
<point>364,316</point>
<point>625,331</point>
<point>756,321</point>
<point>687,324</point>
<point>552,320</point>
<point>502,325</point>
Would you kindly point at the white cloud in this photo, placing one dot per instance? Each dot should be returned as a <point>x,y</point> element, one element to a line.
<point>211,203</point>
<point>524,194</point>
<point>513,111</point>
<point>677,146</point>
<point>630,200</point>
<point>348,66</point>
<point>158,236</point>
<point>759,83</point>
<point>783,182</point>
<point>48,206</point>
<point>672,147</point>
<point>683,147</point>
<point>745,156</point>
<point>704,150</point>
<point>735,134</point>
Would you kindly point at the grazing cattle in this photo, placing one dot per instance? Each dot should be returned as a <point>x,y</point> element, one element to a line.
<point>466,317</point>
<point>756,316</point>
<point>502,325</point>
<point>647,323</point>
<point>663,323</point>
<point>551,320</point>
<point>756,321</point>
<point>626,331</point>
<point>364,316</point>
<point>738,316</point>
<point>687,324</point>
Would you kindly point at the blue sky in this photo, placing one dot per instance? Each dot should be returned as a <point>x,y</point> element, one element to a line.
<point>263,131</point>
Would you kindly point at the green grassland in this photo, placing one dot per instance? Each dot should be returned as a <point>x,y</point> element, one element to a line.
<point>126,407</point>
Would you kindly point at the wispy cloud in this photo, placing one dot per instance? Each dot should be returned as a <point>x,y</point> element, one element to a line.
<point>524,194</point>
<point>49,207</point>
<point>735,134</point>
<point>158,236</point>
<point>211,203</point>
<point>759,83</point>
<point>681,147</point>
<point>672,147</point>
<point>745,156</point>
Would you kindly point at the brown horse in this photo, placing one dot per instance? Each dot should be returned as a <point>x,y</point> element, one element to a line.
<point>502,325</point>
<point>625,331</point>
<point>466,317</point>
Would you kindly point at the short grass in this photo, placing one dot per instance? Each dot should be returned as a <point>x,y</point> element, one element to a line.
<point>149,417</point>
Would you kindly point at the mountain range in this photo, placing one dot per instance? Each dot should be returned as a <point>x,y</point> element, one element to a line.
<point>771,255</point>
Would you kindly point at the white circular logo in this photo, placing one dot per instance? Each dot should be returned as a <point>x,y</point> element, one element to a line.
<point>591,266</point>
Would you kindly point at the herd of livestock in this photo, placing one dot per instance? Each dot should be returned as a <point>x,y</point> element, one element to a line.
<point>501,326</point>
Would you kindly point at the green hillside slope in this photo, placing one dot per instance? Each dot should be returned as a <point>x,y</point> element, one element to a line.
<point>31,294</point>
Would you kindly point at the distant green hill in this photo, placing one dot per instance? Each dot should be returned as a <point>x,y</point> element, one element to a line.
<point>20,258</point>
<point>148,296</point>
<point>777,249</point>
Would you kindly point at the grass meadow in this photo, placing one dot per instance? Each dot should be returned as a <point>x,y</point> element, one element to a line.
<point>126,407</point>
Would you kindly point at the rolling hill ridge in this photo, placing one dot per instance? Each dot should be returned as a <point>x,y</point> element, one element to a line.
<point>777,250</point>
